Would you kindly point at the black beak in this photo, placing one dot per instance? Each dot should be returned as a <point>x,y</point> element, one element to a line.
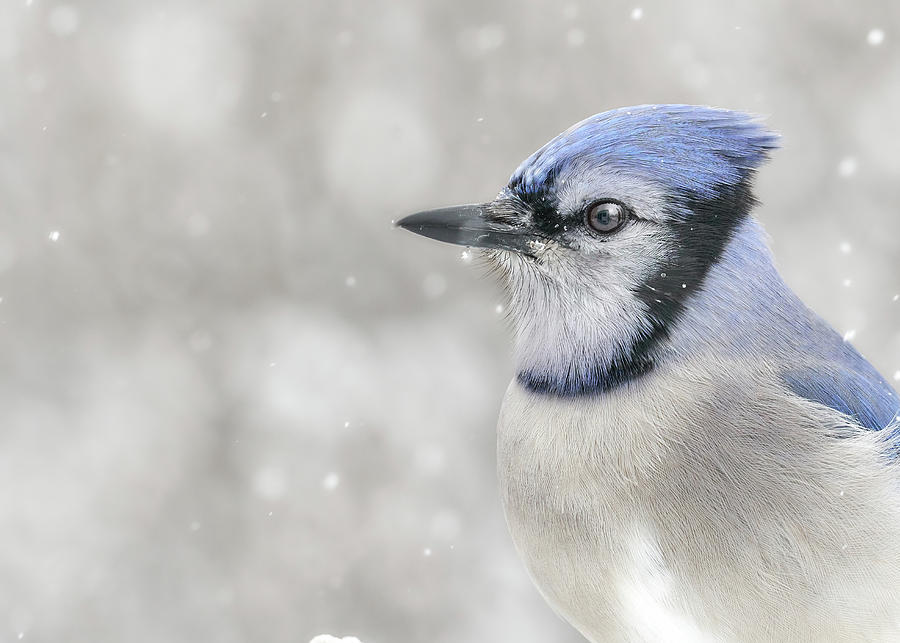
<point>471,225</point>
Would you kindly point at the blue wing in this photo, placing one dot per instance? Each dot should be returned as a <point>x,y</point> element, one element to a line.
<point>851,386</point>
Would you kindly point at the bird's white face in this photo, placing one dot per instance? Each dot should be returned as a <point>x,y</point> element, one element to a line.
<point>576,301</point>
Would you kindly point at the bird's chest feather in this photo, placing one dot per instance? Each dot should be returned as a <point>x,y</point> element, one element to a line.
<point>572,479</point>
<point>639,515</point>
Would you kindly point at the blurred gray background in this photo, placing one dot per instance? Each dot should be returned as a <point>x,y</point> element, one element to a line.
<point>236,404</point>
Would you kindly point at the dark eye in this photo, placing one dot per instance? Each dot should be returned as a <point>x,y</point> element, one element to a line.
<point>606,216</point>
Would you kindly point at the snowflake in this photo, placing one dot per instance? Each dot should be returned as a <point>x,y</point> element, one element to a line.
<point>331,481</point>
<point>875,37</point>
<point>847,166</point>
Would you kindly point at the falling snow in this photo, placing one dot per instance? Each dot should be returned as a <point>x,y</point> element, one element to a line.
<point>53,236</point>
<point>637,13</point>
<point>331,481</point>
<point>875,37</point>
<point>847,166</point>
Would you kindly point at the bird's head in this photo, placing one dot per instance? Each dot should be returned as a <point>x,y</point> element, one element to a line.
<point>605,233</point>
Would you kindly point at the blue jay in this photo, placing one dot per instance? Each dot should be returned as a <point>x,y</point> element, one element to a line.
<point>686,452</point>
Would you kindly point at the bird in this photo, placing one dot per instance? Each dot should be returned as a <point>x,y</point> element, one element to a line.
<point>686,452</point>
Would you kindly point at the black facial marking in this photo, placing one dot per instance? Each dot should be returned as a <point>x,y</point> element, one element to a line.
<point>545,217</point>
<point>542,202</point>
<point>599,379</point>
<point>699,242</point>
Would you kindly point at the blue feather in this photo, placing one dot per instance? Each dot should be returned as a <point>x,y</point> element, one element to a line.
<point>851,387</point>
<point>685,148</point>
<point>771,321</point>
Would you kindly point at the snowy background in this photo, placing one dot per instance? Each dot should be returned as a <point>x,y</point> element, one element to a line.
<point>235,404</point>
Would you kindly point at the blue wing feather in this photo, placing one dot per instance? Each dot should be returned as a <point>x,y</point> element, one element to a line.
<point>853,388</point>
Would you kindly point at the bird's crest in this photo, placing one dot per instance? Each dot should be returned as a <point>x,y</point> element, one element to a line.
<point>685,148</point>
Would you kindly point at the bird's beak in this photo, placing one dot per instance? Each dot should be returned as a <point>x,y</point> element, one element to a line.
<point>471,225</point>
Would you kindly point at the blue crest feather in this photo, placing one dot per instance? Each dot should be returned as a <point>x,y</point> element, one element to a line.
<point>685,148</point>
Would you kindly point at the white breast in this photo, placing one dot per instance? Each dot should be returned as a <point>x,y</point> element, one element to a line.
<point>659,518</point>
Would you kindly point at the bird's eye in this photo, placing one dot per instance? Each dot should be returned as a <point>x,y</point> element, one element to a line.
<point>606,216</point>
